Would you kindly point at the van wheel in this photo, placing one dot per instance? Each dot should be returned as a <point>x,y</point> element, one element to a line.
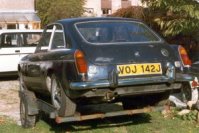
<point>61,102</point>
<point>27,121</point>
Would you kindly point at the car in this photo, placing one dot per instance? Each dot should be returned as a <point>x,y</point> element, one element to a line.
<point>15,44</point>
<point>90,61</point>
<point>194,56</point>
<point>188,91</point>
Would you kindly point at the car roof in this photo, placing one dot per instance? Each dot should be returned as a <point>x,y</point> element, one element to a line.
<point>83,19</point>
<point>20,31</point>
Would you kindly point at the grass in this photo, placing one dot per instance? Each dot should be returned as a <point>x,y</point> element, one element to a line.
<point>142,123</point>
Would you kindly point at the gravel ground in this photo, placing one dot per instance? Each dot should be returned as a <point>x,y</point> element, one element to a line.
<point>9,99</point>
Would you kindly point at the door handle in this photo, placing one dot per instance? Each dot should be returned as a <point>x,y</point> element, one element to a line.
<point>17,51</point>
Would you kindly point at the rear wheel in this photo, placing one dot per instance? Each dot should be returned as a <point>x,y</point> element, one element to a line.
<point>61,102</point>
<point>27,121</point>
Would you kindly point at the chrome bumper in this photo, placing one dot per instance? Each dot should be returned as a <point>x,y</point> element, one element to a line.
<point>129,81</point>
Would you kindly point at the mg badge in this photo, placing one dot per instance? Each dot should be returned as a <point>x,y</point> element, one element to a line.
<point>164,52</point>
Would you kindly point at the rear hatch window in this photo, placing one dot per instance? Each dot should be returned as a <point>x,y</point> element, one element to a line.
<point>116,31</point>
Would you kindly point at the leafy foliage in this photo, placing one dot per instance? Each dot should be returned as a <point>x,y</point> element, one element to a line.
<point>168,17</point>
<point>138,12</point>
<point>192,116</point>
<point>175,16</point>
<point>52,10</point>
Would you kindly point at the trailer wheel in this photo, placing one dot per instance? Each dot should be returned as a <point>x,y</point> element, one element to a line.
<point>61,102</point>
<point>27,121</point>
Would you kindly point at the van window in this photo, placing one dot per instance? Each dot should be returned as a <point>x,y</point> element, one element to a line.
<point>20,39</point>
<point>30,39</point>
<point>9,40</point>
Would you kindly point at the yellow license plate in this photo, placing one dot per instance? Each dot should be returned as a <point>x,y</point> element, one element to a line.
<point>139,69</point>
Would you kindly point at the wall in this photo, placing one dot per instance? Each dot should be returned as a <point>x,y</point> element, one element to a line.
<point>17,5</point>
<point>116,4</point>
<point>136,3</point>
<point>95,8</point>
<point>22,12</point>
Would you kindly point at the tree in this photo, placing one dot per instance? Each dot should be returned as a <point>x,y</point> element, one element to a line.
<point>138,12</point>
<point>52,10</point>
<point>175,17</point>
<point>176,20</point>
<point>42,6</point>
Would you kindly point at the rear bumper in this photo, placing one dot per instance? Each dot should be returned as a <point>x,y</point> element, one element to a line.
<point>129,82</point>
<point>184,77</point>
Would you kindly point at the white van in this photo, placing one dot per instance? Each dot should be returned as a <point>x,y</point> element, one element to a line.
<point>15,44</point>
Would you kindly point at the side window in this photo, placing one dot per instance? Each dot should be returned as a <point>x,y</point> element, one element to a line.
<point>58,38</point>
<point>45,39</point>
<point>9,40</point>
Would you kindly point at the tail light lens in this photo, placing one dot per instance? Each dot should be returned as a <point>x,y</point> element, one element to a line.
<point>81,62</point>
<point>184,56</point>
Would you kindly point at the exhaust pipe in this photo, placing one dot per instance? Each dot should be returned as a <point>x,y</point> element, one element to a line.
<point>110,96</point>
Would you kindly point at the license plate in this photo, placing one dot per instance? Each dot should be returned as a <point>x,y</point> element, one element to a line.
<point>139,69</point>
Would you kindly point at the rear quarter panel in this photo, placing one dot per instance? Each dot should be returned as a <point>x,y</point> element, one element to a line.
<point>35,68</point>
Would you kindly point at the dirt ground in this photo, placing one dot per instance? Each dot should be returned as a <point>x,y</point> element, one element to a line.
<point>9,99</point>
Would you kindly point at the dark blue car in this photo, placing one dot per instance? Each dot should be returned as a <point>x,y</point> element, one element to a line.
<point>83,61</point>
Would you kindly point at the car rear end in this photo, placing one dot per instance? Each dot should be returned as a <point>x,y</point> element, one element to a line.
<point>122,58</point>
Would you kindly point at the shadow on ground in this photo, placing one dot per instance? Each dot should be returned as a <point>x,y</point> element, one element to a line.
<point>90,125</point>
<point>10,78</point>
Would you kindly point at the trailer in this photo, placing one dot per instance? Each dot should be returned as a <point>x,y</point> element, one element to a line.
<point>34,105</point>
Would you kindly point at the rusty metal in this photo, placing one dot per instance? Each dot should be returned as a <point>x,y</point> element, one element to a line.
<point>48,108</point>
<point>103,115</point>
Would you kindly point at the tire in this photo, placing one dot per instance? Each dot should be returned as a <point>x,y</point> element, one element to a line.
<point>64,106</point>
<point>27,121</point>
<point>21,84</point>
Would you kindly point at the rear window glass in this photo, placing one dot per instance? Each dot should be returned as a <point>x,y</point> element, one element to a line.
<point>20,39</point>
<point>113,32</point>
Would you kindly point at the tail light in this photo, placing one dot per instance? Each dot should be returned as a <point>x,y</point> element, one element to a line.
<point>184,56</point>
<point>80,61</point>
